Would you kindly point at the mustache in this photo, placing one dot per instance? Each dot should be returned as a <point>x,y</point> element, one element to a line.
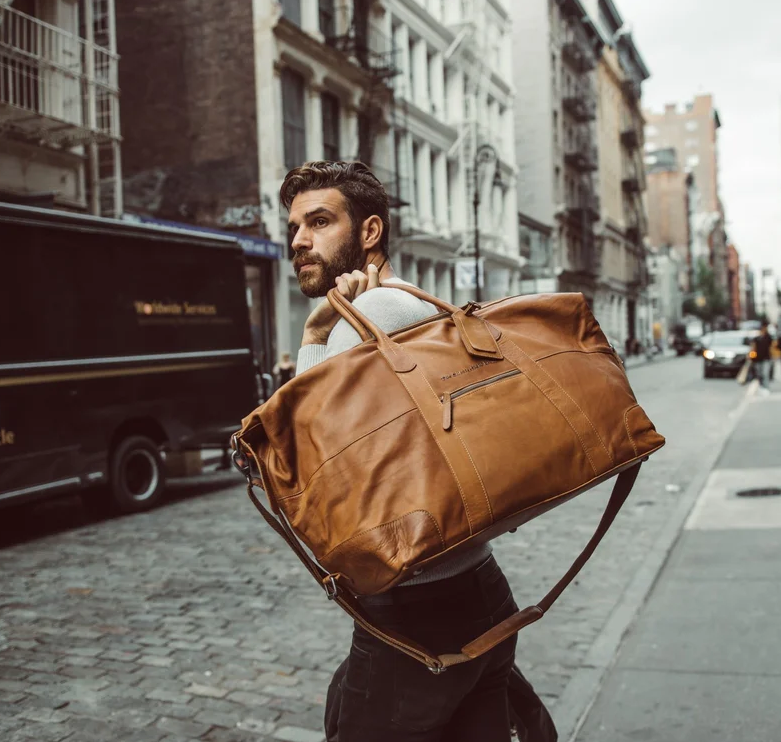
<point>301,260</point>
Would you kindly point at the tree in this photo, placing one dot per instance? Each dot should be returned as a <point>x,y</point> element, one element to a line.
<point>707,301</point>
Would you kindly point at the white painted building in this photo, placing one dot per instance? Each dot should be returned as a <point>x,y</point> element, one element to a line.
<point>412,87</point>
<point>664,292</point>
<point>59,105</point>
<point>766,295</point>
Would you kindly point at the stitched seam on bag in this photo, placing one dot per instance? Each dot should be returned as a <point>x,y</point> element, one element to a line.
<point>442,451</point>
<point>564,414</point>
<point>607,352</point>
<point>383,525</point>
<point>588,419</point>
<point>479,478</point>
<point>626,425</point>
<point>341,450</point>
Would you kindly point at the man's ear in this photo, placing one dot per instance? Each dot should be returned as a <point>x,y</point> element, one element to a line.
<point>371,233</point>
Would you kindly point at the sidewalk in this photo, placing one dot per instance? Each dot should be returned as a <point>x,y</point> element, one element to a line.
<point>641,360</point>
<point>703,660</point>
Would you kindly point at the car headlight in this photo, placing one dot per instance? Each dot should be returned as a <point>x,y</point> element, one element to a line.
<point>709,354</point>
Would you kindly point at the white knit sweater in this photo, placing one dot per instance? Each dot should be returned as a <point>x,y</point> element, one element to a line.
<point>389,309</point>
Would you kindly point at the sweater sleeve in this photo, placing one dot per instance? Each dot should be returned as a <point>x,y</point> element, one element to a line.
<point>390,309</point>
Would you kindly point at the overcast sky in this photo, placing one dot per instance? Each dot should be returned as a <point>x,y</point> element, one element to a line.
<point>732,49</point>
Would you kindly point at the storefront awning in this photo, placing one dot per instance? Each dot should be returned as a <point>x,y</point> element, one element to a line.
<point>254,246</point>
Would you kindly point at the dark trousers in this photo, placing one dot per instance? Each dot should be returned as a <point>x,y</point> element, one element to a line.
<point>379,694</point>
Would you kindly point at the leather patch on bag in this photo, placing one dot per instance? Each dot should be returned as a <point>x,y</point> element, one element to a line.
<point>374,557</point>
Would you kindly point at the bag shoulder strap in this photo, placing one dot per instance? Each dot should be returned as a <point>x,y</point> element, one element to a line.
<point>483,643</point>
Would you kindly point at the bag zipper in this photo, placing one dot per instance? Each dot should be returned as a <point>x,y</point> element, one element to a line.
<point>448,397</point>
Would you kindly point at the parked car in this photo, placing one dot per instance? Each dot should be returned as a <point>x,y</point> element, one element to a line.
<point>725,353</point>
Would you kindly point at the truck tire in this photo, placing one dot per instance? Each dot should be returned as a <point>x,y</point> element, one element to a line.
<point>137,475</point>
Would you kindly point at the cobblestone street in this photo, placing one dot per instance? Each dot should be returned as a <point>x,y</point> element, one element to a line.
<point>194,621</point>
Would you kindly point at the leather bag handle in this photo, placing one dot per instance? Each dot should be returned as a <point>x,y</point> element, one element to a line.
<point>486,641</point>
<point>478,337</point>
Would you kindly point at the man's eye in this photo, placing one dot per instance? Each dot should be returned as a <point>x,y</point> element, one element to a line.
<point>321,222</point>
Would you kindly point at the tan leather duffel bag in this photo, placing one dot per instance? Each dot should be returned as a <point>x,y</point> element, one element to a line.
<point>392,456</point>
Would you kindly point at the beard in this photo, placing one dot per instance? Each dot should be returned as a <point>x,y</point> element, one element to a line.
<point>318,280</point>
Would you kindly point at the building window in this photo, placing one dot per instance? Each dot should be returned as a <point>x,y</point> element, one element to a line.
<point>692,126</point>
<point>693,143</point>
<point>331,129</point>
<point>414,181</point>
<point>291,9</point>
<point>433,196</point>
<point>412,70</point>
<point>692,161</point>
<point>327,14</point>
<point>651,131</point>
<point>293,118</point>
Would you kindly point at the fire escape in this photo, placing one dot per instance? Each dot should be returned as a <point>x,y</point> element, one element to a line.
<point>367,47</point>
<point>633,182</point>
<point>578,102</point>
<point>59,89</point>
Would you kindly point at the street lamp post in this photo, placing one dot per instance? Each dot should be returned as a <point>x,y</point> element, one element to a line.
<point>484,155</point>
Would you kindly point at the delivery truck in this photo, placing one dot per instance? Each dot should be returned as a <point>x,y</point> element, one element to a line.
<point>120,344</point>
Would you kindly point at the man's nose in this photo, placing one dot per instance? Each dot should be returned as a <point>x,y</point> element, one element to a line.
<point>302,239</point>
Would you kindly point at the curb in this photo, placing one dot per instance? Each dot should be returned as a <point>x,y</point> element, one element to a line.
<point>574,704</point>
<point>653,361</point>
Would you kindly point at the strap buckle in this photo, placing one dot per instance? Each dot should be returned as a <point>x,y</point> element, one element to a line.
<point>331,588</point>
<point>240,461</point>
<point>471,306</point>
<point>437,670</point>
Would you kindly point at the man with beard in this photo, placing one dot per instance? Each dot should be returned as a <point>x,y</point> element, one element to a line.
<point>339,225</point>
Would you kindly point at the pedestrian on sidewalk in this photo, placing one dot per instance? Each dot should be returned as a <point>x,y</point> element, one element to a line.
<point>761,346</point>
<point>339,230</point>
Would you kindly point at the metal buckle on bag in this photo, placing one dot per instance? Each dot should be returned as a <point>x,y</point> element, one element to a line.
<point>331,588</point>
<point>471,306</point>
<point>240,461</point>
<point>437,670</point>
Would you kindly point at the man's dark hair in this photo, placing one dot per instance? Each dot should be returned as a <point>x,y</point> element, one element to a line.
<point>364,194</point>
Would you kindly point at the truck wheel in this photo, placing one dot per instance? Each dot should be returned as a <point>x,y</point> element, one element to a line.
<point>136,474</point>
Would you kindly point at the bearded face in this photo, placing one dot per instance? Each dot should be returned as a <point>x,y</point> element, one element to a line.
<point>317,274</point>
<point>325,240</point>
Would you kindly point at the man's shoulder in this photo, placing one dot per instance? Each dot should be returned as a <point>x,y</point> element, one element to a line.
<point>387,299</point>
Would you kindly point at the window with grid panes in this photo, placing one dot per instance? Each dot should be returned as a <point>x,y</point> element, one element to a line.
<point>293,118</point>
<point>330,108</point>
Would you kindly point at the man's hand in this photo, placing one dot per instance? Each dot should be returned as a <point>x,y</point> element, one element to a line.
<point>324,318</point>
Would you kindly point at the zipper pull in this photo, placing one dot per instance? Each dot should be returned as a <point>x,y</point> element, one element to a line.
<point>447,411</point>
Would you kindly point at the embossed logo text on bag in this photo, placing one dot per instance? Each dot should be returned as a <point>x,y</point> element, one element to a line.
<point>463,371</point>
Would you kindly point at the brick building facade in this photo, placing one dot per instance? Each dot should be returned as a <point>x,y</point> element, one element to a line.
<point>190,128</point>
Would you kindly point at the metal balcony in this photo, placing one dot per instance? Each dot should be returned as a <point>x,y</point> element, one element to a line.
<point>396,186</point>
<point>587,261</point>
<point>630,137</point>
<point>352,33</point>
<point>580,105</point>
<point>578,56</point>
<point>631,89</point>
<point>55,86</point>
<point>584,210</point>
<point>631,183</point>
<point>582,157</point>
